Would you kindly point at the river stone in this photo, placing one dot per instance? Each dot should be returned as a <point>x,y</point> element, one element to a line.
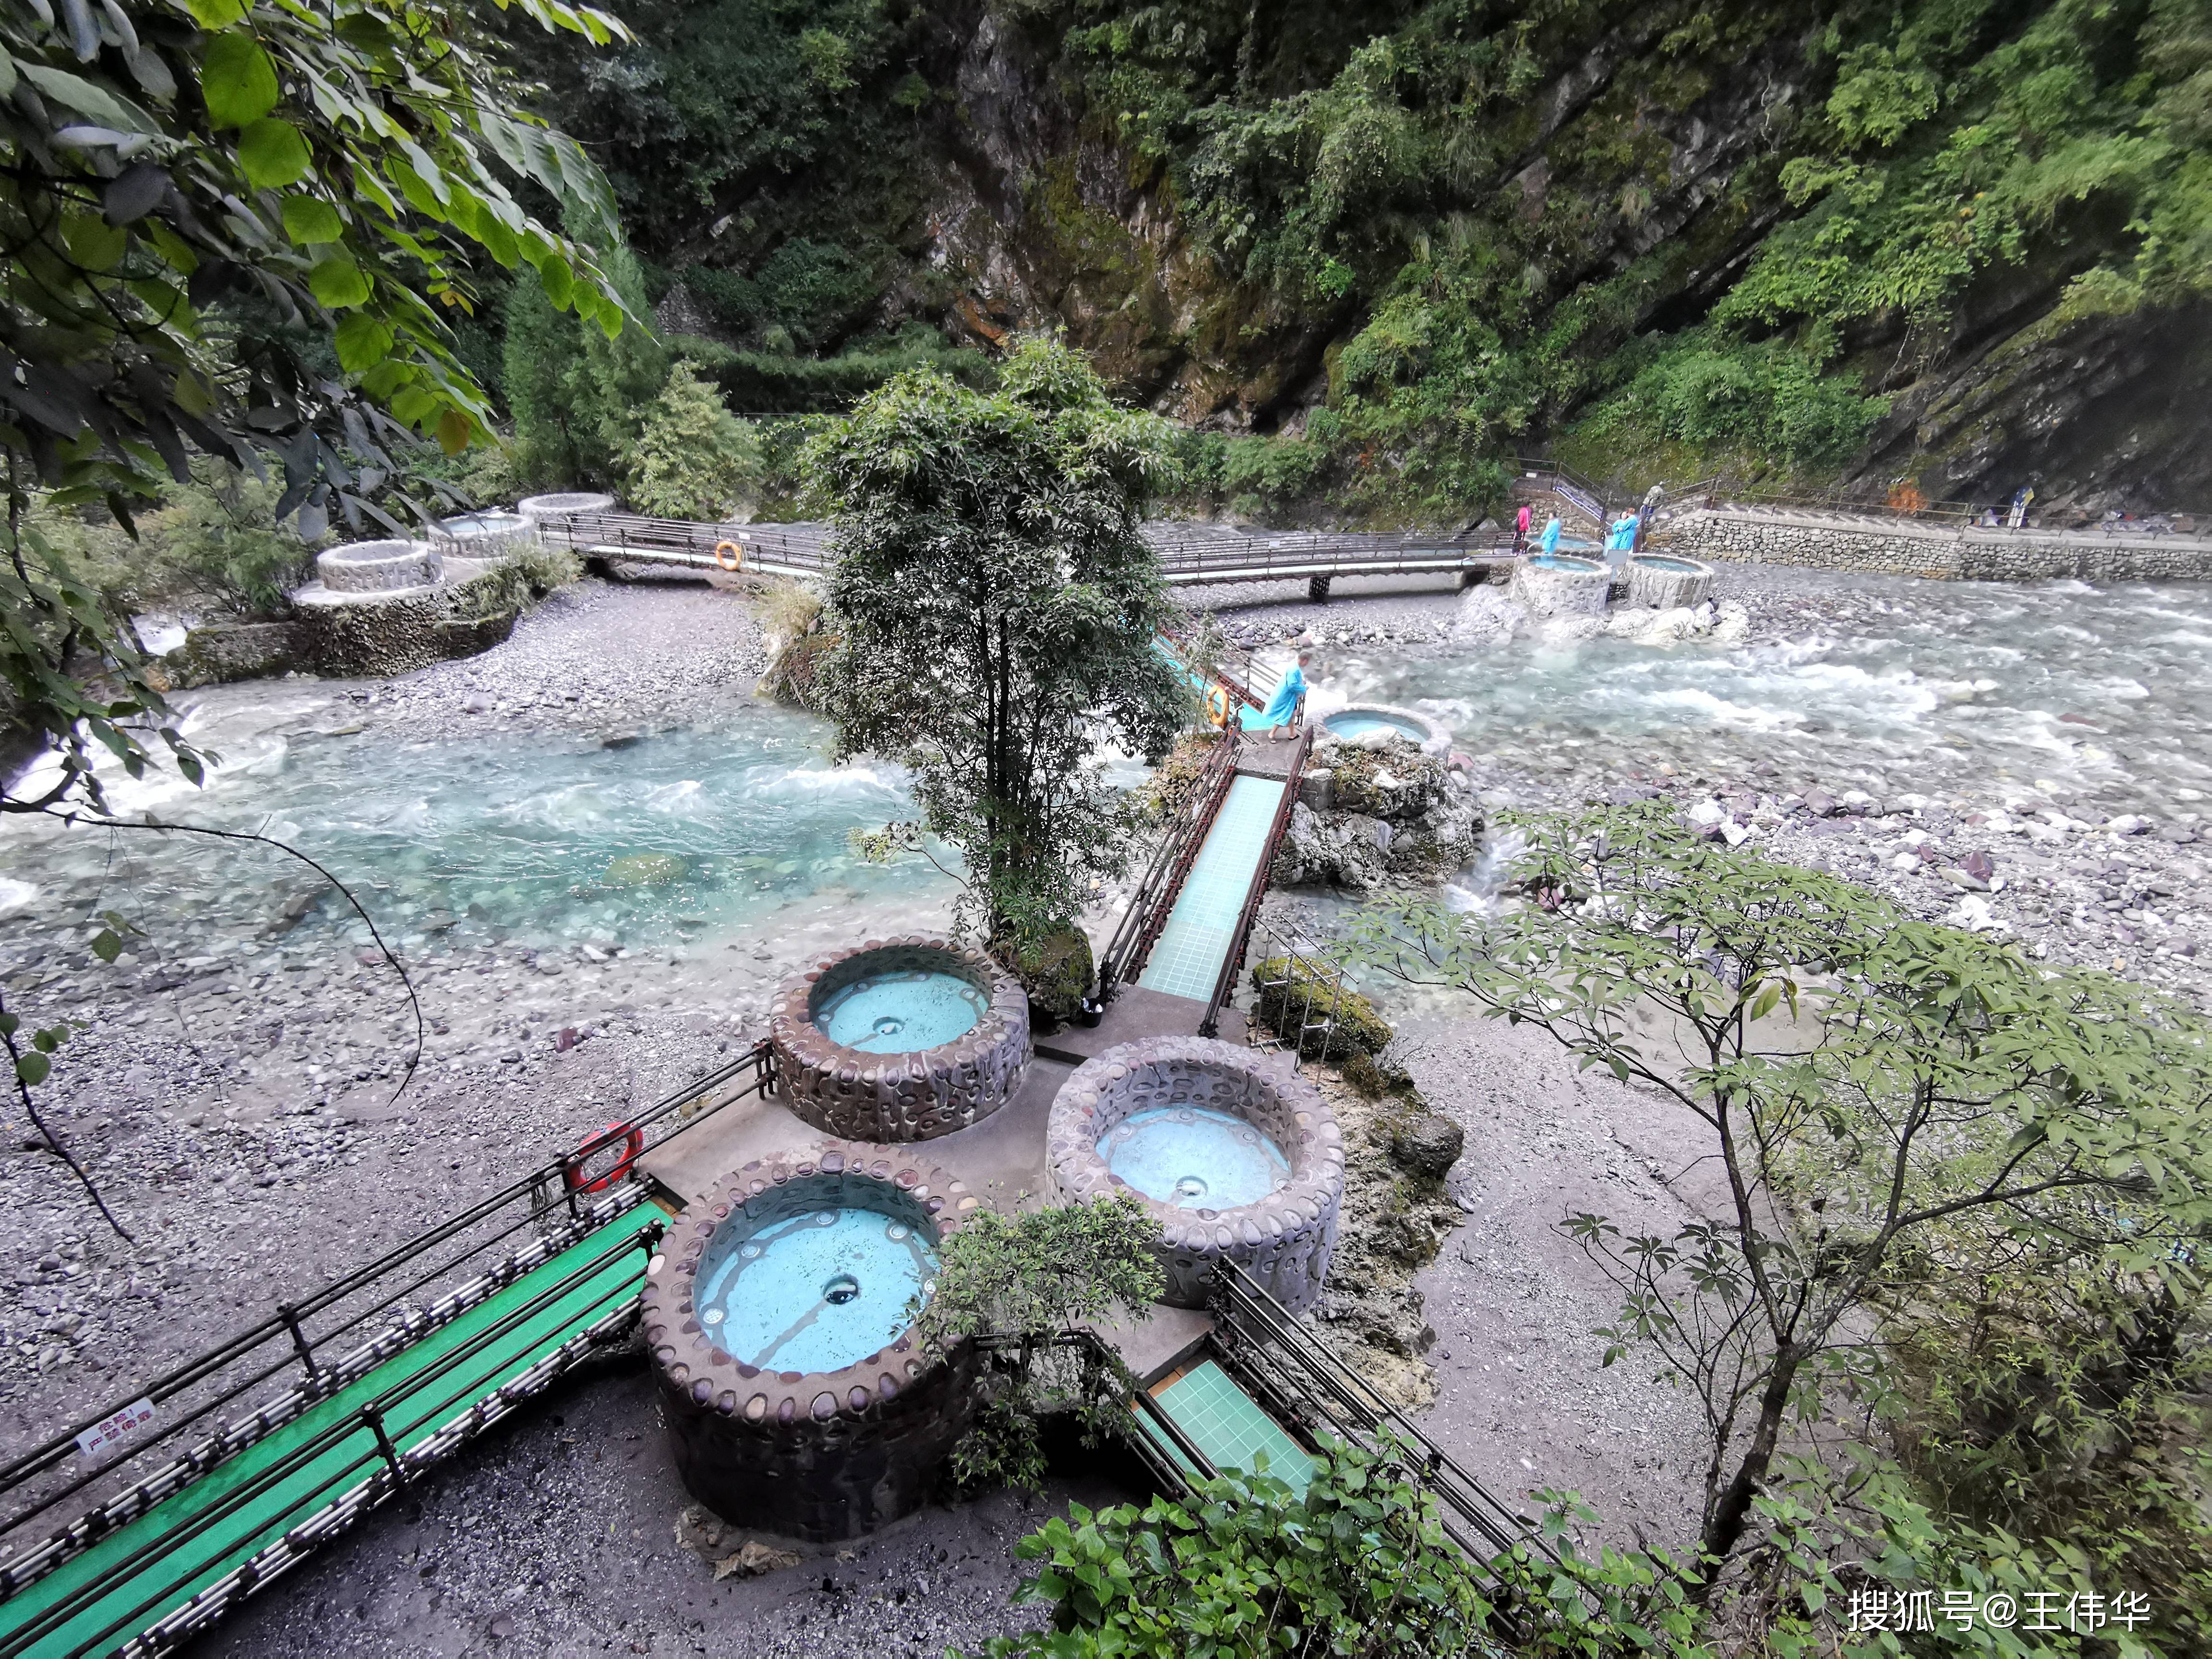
<point>1428,1145</point>
<point>646,870</point>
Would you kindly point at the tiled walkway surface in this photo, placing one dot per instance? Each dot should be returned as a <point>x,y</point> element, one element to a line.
<point>1227,1424</point>
<point>1187,958</point>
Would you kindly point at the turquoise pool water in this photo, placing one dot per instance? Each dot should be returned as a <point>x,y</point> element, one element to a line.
<point>1358,723</point>
<point>898,1013</point>
<point>546,838</point>
<point>1569,562</point>
<point>1194,1158</point>
<point>1661,561</point>
<point>815,1292</point>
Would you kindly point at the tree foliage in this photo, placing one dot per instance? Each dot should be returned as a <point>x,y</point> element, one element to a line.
<point>996,607</point>
<point>691,459</point>
<point>1027,1282</point>
<point>1358,1564</point>
<point>1926,1085</point>
<point>231,226</point>
<point>577,394</point>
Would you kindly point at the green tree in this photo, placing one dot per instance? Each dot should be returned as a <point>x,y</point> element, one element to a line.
<point>1026,1283</point>
<point>232,226</point>
<point>1927,1081</point>
<point>996,604</point>
<point>691,457</point>
<point>576,393</point>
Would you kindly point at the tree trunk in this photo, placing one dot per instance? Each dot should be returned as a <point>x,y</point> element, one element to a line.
<point>1724,1528</point>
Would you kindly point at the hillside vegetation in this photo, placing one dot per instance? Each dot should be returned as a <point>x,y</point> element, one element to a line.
<point>1968,241</point>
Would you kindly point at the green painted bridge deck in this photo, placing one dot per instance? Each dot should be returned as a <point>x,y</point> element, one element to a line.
<point>97,1600</point>
<point>1187,960</point>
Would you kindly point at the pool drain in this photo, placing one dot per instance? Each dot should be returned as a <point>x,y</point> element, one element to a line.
<point>840,1289</point>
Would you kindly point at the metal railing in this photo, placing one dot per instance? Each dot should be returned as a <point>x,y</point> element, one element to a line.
<point>1233,964</point>
<point>317,1346</point>
<point>1190,555</point>
<point>1149,906</point>
<point>1309,1386</point>
<point>1309,979</point>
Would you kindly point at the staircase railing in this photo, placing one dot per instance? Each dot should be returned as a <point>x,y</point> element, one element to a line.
<point>1149,906</point>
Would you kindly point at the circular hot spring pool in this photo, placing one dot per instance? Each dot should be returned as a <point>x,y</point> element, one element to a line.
<point>1667,581</point>
<point>899,1040</point>
<point>1562,584</point>
<point>1232,1153</point>
<point>779,1314</point>
<point>1373,722</point>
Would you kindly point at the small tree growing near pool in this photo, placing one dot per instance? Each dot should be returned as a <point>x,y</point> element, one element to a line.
<point>1936,1096</point>
<point>996,607</point>
<point>1028,1280</point>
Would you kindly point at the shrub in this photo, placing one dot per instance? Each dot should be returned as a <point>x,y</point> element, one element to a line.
<point>691,458</point>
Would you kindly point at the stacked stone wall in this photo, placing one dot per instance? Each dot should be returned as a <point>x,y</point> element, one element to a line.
<point>1285,1240</point>
<point>1945,553</point>
<point>823,1455</point>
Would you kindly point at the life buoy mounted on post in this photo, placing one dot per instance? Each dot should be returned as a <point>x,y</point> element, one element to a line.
<point>736,552</point>
<point>1217,706</point>
<point>628,1136</point>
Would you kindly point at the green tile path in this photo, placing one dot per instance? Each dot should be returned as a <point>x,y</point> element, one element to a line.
<point>1187,960</point>
<point>1227,1424</point>
<point>201,1533</point>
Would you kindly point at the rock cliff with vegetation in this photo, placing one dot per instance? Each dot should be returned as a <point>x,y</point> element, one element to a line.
<point>1964,242</point>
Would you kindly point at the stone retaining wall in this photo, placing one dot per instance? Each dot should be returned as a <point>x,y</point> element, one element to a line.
<point>1285,1240</point>
<point>913,1095</point>
<point>823,1455</point>
<point>1946,553</point>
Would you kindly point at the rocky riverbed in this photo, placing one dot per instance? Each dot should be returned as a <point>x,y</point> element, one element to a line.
<point>233,1084</point>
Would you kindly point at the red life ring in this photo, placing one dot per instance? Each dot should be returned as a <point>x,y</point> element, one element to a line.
<point>633,1143</point>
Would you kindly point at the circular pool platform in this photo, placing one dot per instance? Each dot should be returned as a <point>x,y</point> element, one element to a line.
<point>1668,581</point>
<point>779,1313</point>
<point>899,1040</point>
<point>1363,723</point>
<point>1562,584</point>
<point>1232,1153</point>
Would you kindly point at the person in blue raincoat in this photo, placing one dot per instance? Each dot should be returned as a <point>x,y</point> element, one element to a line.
<point>1550,543</point>
<point>1281,715</point>
<point>1623,536</point>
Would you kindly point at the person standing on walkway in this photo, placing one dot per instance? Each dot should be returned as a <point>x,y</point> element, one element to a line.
<point>1520,529</point>
<point>1551,541</point>
<point>1281,715</point>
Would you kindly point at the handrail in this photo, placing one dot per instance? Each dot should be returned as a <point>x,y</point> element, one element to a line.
<point>1242,1301</point>
<point>1149,906</point>
<point>1233,963</point>
<point>276,1344</point>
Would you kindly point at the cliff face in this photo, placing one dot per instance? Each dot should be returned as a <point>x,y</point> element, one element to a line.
<point>1819,237</point>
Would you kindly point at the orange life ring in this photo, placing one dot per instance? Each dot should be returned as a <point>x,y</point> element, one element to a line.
<point>736,559</point>
<point>633,1143</point>
<point>1217,706</point>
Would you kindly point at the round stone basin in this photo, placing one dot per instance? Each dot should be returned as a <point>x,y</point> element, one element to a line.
<point>816,1291</point>
<point>779,1311</point>
<point>1571,563</point>
<point>1674,566</point>
<point>900,1012</point>
<point>901,1039</point>
<point>1194,1158</point>
<point>1360,723</point>
<point>1234,1154</point>
<point>490,523</point>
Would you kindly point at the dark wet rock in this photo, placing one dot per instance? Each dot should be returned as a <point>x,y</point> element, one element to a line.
<point>1428,1145</point>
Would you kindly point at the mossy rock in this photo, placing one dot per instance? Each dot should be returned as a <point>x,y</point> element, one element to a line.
<point>1395,783</point>
<point>1290,995</point>
<point>1057,969</point>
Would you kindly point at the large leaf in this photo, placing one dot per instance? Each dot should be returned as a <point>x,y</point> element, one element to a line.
<point>238,81</point>
<point>337,281</point>
<point>273,153</point>
<point>309,219</point>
